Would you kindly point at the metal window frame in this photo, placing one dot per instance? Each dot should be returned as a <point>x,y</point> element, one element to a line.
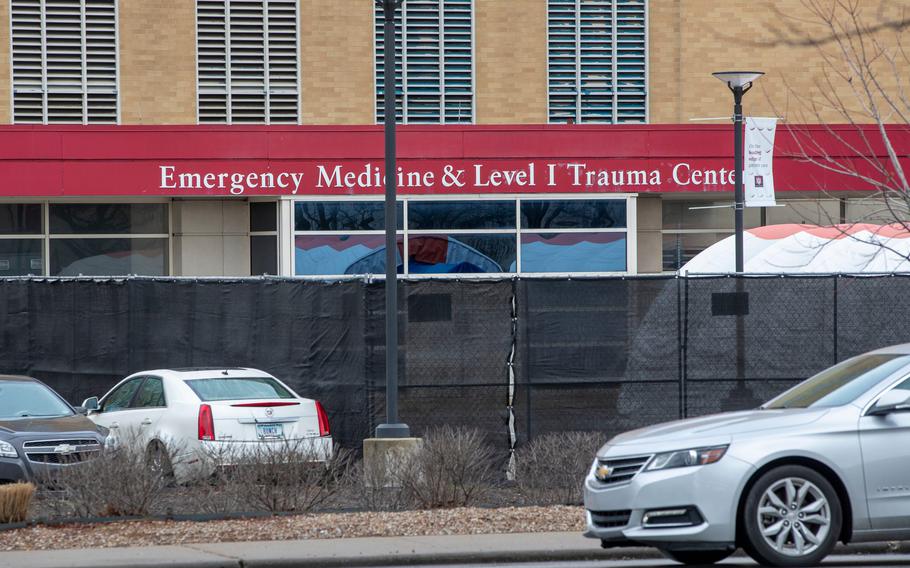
<point>46,236</point>
<point>630,230</point>
<point>277,233</point>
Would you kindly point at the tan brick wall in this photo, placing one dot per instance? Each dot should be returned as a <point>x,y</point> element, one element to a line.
<point>510,59</point>
<point>691,38</point>
<point>157,61</point>
<point>336,62</point>
<point>5,78</point>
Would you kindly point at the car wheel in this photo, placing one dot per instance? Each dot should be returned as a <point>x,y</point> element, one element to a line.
<point>792,517</point>
<point>159,462</point>
<point>696,557</point>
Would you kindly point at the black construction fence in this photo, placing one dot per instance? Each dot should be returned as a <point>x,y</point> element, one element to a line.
<point>517,358</point>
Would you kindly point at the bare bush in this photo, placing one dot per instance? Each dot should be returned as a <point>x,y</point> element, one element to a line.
<point>218,496</point>
<point>551,469</point>
<point>285,476</point>
<point>453,467</point>
<point>377,485</point>
<point>119,482</point>
<point>15,499</point>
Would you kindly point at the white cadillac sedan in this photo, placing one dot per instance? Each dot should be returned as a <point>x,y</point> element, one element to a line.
<point>181,417</point>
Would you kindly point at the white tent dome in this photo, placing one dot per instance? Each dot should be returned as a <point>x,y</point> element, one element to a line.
<point>807,249</point>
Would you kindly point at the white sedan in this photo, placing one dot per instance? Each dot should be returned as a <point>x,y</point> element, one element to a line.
<point>183,416</point>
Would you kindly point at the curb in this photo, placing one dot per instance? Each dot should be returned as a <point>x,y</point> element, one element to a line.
<point>374,553</point>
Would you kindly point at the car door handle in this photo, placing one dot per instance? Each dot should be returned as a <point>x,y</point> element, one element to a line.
<point>147,422</point>
<point>114,425</point>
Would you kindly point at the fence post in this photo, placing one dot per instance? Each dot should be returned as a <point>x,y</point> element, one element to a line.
<point>836,278</point>
<point>679,345</point>
<point>683,394</point>
<point>527,368</point>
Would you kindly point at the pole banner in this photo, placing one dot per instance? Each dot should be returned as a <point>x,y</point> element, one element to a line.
<point>757,171</point>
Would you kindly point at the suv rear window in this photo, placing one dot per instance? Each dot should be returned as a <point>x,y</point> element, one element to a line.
<point>238,388</point>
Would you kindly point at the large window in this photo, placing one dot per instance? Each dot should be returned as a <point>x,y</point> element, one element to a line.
<point>88,239</point>
<point>690,227</point>
<point>434,73</point>
<point>93,239</point>
<point>263,238</point>
<point>491,236</point>
<point>21,239</point>
<point>247,61</point>
<point>597,60</point>
<point>64,61</point>
<point>573,236</point>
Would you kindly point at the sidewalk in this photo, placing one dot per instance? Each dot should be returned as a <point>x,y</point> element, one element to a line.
<point>351,552</point>
<point>331,552</point>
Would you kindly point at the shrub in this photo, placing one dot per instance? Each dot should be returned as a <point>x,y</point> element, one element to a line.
<point>377,485</point>
<point>453,467</point>
<point>119,482</point>
<point>551,469</point>
<point>285,476</point>
<point>15,499</point>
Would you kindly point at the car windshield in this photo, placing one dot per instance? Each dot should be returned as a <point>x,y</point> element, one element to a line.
<point>842,383</point>
<point>30,400</point>
<point>238,388</point>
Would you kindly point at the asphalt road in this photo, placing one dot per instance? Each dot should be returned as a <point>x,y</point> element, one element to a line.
<point>846,561</point>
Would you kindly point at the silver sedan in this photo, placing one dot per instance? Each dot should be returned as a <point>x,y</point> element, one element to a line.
<point>826,461</point>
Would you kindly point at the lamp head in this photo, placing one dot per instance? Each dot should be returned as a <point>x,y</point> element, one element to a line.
<point>740,79</point>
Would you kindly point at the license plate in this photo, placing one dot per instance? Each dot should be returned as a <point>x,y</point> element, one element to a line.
<point>270,431</point>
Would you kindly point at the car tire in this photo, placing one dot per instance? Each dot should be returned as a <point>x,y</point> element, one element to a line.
<point>159,461</point>
<point>792,517</point>
<point>696,557</point>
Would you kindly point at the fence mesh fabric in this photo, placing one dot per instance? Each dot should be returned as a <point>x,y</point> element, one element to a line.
<point>522,356</point>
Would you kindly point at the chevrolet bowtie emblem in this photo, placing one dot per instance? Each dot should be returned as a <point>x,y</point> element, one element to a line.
<point>603,471</point>
<point>64,449</point>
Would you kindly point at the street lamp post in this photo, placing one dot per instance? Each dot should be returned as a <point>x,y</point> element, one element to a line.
<point>392,428</point>
<point>739,82</point>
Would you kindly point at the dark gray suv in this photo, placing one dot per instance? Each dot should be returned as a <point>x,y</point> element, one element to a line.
<point>40,432</point>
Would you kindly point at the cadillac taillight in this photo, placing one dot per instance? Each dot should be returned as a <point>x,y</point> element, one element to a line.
<point>323,420</point>
<point>206,423</point>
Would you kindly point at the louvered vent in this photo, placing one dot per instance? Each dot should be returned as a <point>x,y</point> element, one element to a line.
<point>64,61</point>
<point>596,59</point>
<point>434,78</point>
<point>248,64</point>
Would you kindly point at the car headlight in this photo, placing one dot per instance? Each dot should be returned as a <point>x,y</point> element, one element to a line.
<point>687,458</point>
<point>8,451</point>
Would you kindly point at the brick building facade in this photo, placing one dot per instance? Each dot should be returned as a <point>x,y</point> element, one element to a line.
<point>472,62</point>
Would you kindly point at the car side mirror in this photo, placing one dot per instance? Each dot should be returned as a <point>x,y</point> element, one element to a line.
<point>90,404</point>
<point>895,400</point>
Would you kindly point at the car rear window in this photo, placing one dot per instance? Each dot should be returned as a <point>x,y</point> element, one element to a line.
<point>30,400</point>
<point>238,388</point>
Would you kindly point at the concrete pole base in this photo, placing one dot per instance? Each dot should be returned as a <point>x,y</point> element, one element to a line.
<point>383,459</point>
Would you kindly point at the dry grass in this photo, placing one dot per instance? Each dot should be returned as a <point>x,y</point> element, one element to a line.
<point>15,499</point>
